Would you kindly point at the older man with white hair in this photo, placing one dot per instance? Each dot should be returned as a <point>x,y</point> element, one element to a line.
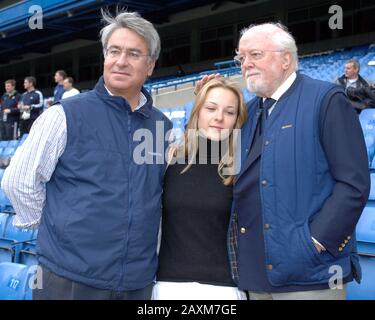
<point>304,177</point>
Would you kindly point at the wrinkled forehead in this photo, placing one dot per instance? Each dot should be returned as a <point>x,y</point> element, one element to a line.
<point>256,40</point>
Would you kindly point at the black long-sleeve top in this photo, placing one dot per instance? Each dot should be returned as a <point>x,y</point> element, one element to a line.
<point>196,211</point>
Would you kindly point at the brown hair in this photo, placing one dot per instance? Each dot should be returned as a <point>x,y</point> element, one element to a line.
<point>11,81</point>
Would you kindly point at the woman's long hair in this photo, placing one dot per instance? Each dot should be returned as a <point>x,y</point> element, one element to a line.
<point>190,143</point>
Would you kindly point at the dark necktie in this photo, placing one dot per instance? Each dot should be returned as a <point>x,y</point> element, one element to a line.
<point>263,113</point>
<point>266,105</point>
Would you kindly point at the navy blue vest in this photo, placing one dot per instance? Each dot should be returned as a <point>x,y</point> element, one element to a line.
<point>101,219</point>
<point>293,183</point>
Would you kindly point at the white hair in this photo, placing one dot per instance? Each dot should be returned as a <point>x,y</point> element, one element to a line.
<point>279,36</point>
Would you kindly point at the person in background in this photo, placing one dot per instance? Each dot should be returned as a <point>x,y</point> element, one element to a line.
<point>197,200</point>
<point>80,178</point>
<point>60,76</point>
<point>9,111</point>
<point>70,91</point>
<point>356,87</point>
<point>31,105</point>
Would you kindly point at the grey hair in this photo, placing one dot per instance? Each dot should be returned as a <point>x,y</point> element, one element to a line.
<point>134,22</point>
<point>355,63</point>
<point>279,35</point>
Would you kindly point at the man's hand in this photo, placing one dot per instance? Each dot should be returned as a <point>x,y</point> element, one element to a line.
<point>204,80</point>
<point>6,111</point>
<point>317,245</point>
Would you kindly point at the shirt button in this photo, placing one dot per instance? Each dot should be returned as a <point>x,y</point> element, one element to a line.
<point>267,226</point>
<point>267,143</point>
<point>346,241</point>
<point>340,249</point>
<point>243,230</point>
<point>269,266</point>
<point>264,183</point>
<point>349,237</point>
<point>247,150</point>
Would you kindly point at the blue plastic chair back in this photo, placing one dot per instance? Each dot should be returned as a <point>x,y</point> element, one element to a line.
<point>14,281</point>
<point>3,223</point>
<point>3,144</point>
<point>8,151</point>
<point>17,234</point>
<point>365,231</point>
<point>366,289</point>
<point>372,190</point>
<point>13,143</point>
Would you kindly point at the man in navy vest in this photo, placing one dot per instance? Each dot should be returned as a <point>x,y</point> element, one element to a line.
<point>304,177</point>
<point>81,176</point>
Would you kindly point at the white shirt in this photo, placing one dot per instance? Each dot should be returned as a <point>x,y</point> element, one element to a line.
<point>34,163</point>
<point>72,92</point>
<point>281,90</point>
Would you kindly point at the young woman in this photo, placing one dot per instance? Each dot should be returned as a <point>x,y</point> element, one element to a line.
<point>197,199</point>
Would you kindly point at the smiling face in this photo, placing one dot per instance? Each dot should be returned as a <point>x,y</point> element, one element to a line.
<point>264,75</point>
<point>124,75</point>
<point>218,114</point>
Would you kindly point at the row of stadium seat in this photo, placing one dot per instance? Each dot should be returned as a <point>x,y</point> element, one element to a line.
<point>16,244</point>
<point>16,281</point>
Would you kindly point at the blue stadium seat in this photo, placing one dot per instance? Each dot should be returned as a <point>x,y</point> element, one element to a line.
<point>367,120</point>
<point>188,108</point>
<point>13,241</point>
<point>23,138</point>
<point>4,144</point>
<point>372,190</point>
<point>27,253</point>
<point>178,120</point>
<point>366,289</point>
<point>13,143</point>
<point>3,223</point>
<point>365,231</point>
<point>17,234</point>
<point>8,151</point>
<point>14,281</point>
<point>28,258</point>
<point>5,204</point>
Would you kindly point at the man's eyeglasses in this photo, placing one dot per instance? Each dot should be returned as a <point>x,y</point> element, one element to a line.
<point>130,54</point>
<point>253,55</point>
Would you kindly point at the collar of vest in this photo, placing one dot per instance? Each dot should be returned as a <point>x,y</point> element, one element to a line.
<point>10,94</point>
<point>145,110</point>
